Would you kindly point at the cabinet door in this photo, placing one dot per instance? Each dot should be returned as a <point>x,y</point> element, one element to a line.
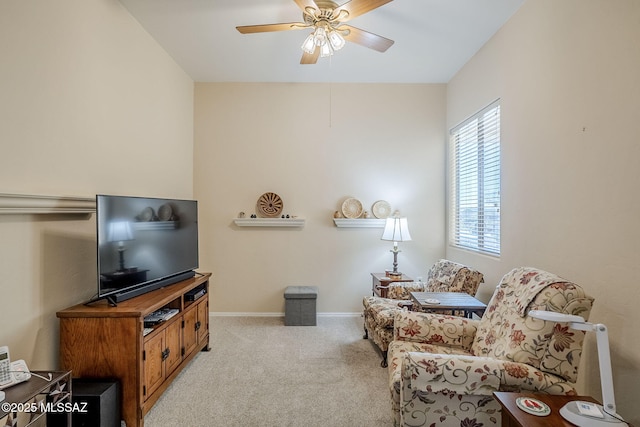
<point>153,363</point>
<point>202,324</point>
<point>189,333</point>
<point>173,335</point>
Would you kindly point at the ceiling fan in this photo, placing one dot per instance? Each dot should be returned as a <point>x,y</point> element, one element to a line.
<point>330,32</point>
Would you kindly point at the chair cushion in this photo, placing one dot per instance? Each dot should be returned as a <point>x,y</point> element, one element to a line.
<point>402,290</point>
<point>385,316</point>
<point>374,304</point>
<point>449,276</point>
<point>382,310</point>
<point>435,285</point>
<point>506,333</point>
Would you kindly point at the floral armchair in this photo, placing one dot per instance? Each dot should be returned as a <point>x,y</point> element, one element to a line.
<point>379,313</point>
<point>444,369</point>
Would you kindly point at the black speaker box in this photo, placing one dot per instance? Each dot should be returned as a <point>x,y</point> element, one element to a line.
<point>102,397</point>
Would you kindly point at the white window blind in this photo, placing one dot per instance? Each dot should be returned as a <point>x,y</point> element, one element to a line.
<point>475,182</point>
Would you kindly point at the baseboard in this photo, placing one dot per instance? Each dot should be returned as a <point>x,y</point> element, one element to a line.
<point>241,314</point>
<point>271,314</point>
<point>332,314</point>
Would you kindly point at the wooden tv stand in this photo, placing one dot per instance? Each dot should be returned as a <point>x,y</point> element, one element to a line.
<point>101,341</point>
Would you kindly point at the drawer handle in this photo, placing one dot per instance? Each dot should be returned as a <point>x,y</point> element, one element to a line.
<point>198,325</point>
<point>165,354</point>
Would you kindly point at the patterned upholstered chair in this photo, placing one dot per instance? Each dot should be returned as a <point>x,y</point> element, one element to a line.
<point>379,313</point>
<point>444,369</point>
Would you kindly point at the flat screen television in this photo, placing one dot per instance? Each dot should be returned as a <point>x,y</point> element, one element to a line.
<point>144,244</point>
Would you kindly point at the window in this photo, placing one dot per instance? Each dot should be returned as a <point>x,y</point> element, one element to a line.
<point>475,182</point>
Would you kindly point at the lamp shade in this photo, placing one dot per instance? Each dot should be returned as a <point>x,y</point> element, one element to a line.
<point>120,231</point>
<point>309,44</point>
<point>396,230</point>
<point>336,40</point>
<point>325,50</point>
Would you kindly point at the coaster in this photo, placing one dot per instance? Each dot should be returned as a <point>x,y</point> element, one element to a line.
<point>533,406</point>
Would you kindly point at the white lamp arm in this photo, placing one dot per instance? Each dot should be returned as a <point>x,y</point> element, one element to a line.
<point>602,341</point>
<point>606,376</point>
<point>604,360</point>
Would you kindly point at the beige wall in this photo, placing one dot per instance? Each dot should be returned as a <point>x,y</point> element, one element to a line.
<point>567,73</point>
<point>315,145</point>
<point>89,103</point>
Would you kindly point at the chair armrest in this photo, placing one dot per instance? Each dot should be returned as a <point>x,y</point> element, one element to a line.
<point>405,303</point>
<point>433,373</point>
<point>383,310</point>
<point>437,329</point>
<point>402,290</point>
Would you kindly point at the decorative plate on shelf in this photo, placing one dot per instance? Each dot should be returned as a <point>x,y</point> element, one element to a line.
<point>533,406</point>
<point>269,205</point>
<point>165,212</point>
<point>352,208</point>
<point>147,214</point>
<point>381,209</point>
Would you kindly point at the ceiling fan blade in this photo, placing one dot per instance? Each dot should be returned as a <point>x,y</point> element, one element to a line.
<point>250,29</point>
<point>354,8</point>
<point>310,58</point>
<point>365,38</point>
<point>305,4</point>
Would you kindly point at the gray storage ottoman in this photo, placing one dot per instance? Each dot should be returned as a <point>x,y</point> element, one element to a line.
<point>300,305</point>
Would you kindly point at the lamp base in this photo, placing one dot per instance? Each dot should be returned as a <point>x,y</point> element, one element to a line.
<point>571,413</point>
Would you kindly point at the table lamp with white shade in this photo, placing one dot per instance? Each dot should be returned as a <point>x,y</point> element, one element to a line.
<point>577,412</point>
<point>120,231</point>
<point>396,230</point>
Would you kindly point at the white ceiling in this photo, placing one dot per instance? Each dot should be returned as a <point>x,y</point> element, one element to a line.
<point>433,39</point>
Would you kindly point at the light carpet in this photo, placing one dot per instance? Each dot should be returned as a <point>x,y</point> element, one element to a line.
<point>262,373</point>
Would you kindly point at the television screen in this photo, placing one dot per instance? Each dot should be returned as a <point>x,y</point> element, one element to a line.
<point>144,243</point>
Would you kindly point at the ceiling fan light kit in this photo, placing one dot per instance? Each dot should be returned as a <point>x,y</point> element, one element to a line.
<point>330,33</point>
<point>336,40</point>
<point>328,42</point>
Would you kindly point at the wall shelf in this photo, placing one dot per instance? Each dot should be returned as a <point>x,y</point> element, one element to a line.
<point>156,225</point>
<point>360,222</point>
<point>269,222</point>
<point>28,204</point>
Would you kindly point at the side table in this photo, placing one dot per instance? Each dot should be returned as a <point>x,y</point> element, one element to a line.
<point>512,416</point>
<point>448,301</point>
<point>381,281</point>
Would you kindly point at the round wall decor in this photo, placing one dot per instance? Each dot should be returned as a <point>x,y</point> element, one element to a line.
<point>269,205</point>
<point>165,212</point>
<point>381,209</point>
<point>352,208</point>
